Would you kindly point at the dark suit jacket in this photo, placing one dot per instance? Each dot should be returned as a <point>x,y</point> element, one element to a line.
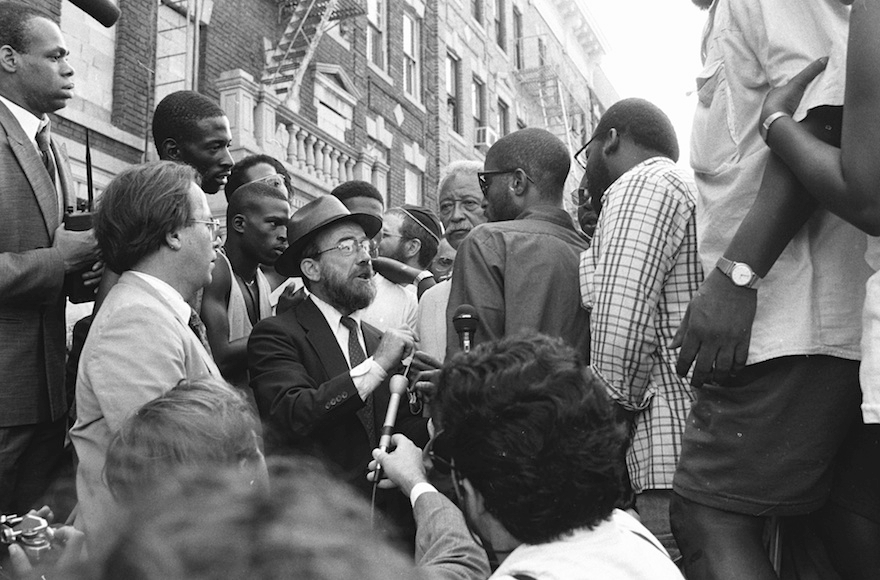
<point>32,327</point>
<point>305,395</point>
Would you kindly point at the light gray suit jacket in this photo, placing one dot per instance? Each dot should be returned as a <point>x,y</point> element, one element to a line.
<point>32,328</point>
<point>136,351</point>
<point>444,547</point>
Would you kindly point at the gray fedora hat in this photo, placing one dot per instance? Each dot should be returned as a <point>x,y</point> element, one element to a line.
<point>309,220</point>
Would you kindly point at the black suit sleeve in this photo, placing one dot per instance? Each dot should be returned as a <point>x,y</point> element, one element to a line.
<point>279,360</point>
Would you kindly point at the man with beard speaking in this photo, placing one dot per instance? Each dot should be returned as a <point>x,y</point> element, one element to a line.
<point>320,375</point>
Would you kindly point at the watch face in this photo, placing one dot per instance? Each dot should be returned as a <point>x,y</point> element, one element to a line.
<point>741,274</point>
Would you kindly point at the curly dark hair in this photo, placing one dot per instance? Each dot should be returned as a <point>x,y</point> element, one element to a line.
<point>539,153</point>
<point>535,433</point>
<point>644,123</point>
<point>177,116</point>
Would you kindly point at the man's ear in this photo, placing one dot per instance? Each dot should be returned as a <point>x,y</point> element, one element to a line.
<point>472,498</point>
<point>311,269</point>
<point>173,241</point>
<point>8,59</point>
<point>413,246</point>
<point>169,150</point>
<point>612,143</point>
<point>238,223</point>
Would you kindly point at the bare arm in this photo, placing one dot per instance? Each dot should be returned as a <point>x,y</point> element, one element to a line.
<point>230,356</point>
<point>845,180</point>
<point>715,333</point>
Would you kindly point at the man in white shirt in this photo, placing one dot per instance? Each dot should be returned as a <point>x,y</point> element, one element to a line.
<point>154,226</point>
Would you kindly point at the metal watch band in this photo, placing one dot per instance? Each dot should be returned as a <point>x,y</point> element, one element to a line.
<point>771,118</point>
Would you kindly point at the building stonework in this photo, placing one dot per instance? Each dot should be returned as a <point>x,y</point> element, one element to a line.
<point>305,87</point>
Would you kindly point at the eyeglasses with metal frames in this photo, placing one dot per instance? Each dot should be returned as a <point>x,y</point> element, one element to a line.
<point>349,246</point>
<point>213,224</point>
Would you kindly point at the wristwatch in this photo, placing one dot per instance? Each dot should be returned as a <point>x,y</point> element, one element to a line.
<point>740,273</point>
<point>771,118</point>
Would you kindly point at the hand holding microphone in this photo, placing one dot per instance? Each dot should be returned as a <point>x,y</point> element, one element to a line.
<point>397,385</point>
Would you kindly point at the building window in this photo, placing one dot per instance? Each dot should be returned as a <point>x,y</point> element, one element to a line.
<point>177,57</point>
<point>477,10</point>
<point>377,24</point>
<point>518,38</point>
<point>503,118</point>
<point>412,55</point>
<point>414,183</point>
<point>453,93</point>
<point>500,28</point>
<point>478,103</point>
<point>542,52</point>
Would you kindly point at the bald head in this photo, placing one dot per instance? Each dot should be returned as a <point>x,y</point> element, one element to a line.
<point>539,153</point>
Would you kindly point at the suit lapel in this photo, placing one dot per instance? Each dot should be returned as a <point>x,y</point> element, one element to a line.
<point>33,168</point>
<point>207,359</point>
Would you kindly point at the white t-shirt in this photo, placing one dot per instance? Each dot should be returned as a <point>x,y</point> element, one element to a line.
<point>619,548</point>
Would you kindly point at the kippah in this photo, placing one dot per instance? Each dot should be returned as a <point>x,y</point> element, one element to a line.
<point>426,218</point>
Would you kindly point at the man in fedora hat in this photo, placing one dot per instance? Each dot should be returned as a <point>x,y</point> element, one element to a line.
<point>320,375</point>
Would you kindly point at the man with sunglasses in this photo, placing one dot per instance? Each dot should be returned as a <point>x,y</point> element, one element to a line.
<point>520,271</point>
<point>533,448</point>
<point>319,373</point>
<point>637,278</point>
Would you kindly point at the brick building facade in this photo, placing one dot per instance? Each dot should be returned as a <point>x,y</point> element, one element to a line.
<point>337,89</point>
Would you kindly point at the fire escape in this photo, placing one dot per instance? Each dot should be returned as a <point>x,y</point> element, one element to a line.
<point>307,21</point>
<point>568,104</point>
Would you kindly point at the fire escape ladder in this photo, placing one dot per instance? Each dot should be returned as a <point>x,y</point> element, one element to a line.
<point>288,61</point>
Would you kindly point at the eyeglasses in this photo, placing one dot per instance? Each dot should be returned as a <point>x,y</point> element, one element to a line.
<point>213,225</point>
<point>483,175</point>
<point>349,246</point>
<point>275,180</point>
<point>469,204</point>
<point>579,155</point>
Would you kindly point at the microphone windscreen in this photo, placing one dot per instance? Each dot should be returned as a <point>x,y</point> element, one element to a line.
<point>104,11</point>
<point>398,384</point>
<point>465,319</point>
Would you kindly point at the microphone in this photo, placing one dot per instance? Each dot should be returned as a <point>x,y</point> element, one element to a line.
<point>397,386</point>
<point>104,11</point>
<point>465,321</point>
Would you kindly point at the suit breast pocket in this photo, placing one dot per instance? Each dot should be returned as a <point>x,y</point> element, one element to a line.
<point>714,137</point>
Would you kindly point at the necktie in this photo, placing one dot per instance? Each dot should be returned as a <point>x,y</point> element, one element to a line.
<point>44,144</point>
<point>356,356</point>
<point>198,328</point>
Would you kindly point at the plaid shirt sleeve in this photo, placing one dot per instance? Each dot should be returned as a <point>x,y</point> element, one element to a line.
<point>640,231</point>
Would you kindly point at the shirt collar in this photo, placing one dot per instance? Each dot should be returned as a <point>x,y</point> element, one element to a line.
<point>332,315</point>
<point>650,161</point>
<point>172,296</point>
<point>28,122</point>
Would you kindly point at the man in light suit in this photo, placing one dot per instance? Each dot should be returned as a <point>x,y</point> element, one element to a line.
<point>35,254</point>
<point>319,374</point>
<point>154,225</point>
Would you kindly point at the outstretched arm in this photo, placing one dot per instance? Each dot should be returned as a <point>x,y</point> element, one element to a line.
<point>845,180</point>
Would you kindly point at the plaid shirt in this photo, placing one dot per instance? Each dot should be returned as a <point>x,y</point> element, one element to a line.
<point>638,277</point>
